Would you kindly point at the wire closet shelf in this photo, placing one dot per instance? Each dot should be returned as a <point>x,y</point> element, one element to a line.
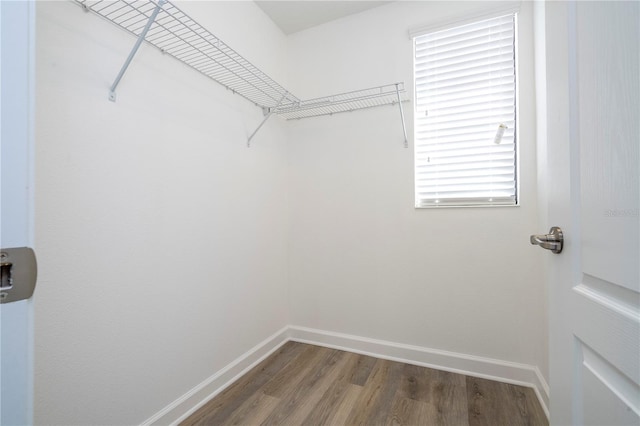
<point>164,26</point>
<point>343,102</point>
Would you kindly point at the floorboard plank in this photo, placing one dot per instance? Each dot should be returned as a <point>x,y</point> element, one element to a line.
<point>296,370</point>
<point>335,394</point>
<point>408,412</point>
<point>219,408</point>
<point>362,369</point>
<point>342,412</point>
<point>253,411</point>
<point>292,399</point>
<point>494,403</point>
<point>447,398</point>
<point>317,387</point>
<point>528,404</point>
<point>377,397</point>
<point>415,383</point>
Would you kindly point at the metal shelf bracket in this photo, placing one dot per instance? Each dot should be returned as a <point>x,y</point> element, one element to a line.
<point>143,34</point>
<point>268,112</point>
<point>404,127</point>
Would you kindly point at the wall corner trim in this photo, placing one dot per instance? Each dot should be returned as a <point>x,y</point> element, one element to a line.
<point>470,365</point>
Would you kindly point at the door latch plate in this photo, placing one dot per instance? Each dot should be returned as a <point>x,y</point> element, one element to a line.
<point>18,274</point>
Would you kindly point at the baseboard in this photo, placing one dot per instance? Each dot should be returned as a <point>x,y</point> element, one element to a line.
<point>541,387</point>
<point>471,365</point>
<point>187,404</point>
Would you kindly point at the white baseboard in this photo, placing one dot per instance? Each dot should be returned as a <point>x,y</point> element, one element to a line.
<point>470,365</point>
<point>188,403</point>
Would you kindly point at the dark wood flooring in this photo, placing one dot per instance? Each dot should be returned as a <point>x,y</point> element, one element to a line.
<point>303,384</point>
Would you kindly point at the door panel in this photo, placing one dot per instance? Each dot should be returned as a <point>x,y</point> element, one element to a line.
<point>592,79</point>
<point>608,90</point>
<point>610,327</point>
<point>608,395</point>
<point>606,300</point>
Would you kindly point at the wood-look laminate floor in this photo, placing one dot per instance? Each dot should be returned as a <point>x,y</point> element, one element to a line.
<point>303,384</point>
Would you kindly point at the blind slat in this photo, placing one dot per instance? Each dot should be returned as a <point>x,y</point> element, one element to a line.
<point>462,49</point>
<point>473,37</point>
<point>452,32</point>
<point>473,92</point>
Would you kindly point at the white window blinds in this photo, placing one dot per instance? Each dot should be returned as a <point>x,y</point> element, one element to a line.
<point>465,118</point>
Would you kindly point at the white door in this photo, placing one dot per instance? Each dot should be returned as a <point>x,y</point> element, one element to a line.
<point>16,66</point>
<point>592,133</point>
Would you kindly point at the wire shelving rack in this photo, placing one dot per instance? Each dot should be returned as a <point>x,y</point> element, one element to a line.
<point>164,26</point>
<point>343,102</point>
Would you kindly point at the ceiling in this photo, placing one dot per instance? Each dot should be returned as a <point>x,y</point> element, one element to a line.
<point>294,16</point>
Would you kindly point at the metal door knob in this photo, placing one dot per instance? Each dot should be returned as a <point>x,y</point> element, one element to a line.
<point>552,241</point>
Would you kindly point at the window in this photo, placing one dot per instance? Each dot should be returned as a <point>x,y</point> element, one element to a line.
<point>465,116</point>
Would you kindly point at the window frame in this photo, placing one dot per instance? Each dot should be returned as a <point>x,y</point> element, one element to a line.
<point>466,202</point>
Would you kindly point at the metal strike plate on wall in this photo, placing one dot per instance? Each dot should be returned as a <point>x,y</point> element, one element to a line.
<point>18,274</point>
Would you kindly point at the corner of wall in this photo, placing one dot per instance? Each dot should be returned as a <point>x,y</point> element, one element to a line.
<point>195,398</point>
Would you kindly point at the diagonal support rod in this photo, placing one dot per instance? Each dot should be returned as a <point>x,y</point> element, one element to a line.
<point>404,127</point>
<point>265,119</point>
<point>143,34</point>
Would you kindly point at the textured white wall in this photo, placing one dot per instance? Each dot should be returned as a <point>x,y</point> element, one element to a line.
<point>161,237</point>
<point>363,260</point>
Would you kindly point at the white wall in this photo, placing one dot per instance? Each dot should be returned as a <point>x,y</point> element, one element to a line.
<point>363,260</point>
<point>167,248</point>
<point>161,237</point>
